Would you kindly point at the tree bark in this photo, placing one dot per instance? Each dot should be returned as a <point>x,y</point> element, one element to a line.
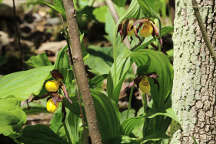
<point>80,73</point>
<point>194,87</point>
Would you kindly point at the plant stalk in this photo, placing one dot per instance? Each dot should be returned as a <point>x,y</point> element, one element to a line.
<point>79,69</point>
<point>18,37</point>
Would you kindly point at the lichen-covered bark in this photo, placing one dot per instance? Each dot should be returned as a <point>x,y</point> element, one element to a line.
<point>194,87</point>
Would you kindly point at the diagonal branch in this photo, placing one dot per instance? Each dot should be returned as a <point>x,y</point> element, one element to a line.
<point>81,77</point>
<point>203,31</point>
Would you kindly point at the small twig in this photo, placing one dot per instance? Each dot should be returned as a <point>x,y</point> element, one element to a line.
<point>31,98</point>
<point>203,31</point>
<point>116,18</point>
<point>91,2</point>
<point>18,37</point>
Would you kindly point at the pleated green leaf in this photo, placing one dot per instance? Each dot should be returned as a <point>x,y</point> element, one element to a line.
<point>12,117</point>
<point>107,116</point>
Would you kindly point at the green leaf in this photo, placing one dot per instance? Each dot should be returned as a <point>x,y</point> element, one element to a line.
<point>134,11</point>
<point>130,124</point>
<point>23,84</point>
<point>39,60</point>
<point>40,134</point>
<point>169,113</point>
<point>62,60</point>
<point>56,121</point>
<point>130,140</point>
<point>74,107</point>
<point>97,65</point>
<point>73,124</point>
<point>120,2</point>
<point>107,117</point>
<point>57,5</point>
<point>97,81</point>
<point>100,13</point>
<point>127,114</point>
<point>148,11</point>
<point>12,117</point>
<point>166,30</point>
<point>99,59</point>
<point>118,74</point>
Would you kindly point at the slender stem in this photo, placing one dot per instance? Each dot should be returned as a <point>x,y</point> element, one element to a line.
<point>66,93</point>
<point>18,37</point>
<point>203,31</point>
<point>81,76</point>
<point>116,18</point>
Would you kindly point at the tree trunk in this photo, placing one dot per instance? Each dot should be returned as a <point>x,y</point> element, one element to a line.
<point>194,87</point>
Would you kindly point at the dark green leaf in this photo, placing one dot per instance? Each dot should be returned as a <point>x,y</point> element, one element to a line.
<point>120,2</point>
<point>169,113</point>
<point>56,121</point>
<point>148,11</point>
<point>40,134</point>
<point>97,81</point>
<point>167,30</point>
